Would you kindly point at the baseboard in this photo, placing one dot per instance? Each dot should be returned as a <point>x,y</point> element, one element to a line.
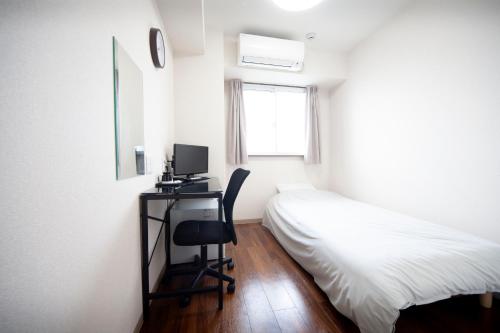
<point>248,221</point>
<point>138,327</point>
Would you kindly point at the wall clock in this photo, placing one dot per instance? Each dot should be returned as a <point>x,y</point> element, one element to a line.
<point>157,47</point>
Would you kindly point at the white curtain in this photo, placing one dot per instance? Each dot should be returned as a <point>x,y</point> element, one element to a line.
<point>313,154</point>
<point>237,143</point>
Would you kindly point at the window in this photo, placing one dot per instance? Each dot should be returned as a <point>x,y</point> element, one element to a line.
<point>275,118</point>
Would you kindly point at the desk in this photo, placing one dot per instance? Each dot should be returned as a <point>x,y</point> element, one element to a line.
<point>194,190</point>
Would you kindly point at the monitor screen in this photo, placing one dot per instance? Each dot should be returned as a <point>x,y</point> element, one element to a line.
<point>190,160</point>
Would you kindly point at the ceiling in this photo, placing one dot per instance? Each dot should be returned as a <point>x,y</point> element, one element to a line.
<point>185,26</point>
<point>339,24</point>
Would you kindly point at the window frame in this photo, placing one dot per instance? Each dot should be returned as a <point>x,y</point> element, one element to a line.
<point>274,88</point>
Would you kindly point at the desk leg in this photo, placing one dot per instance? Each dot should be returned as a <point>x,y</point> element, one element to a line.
<point>167,238</point>
<point>220,286</point>
<point>144,257</point>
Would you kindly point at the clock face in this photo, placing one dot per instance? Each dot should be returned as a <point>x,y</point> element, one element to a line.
<point>160,48</point>
<point>157,47</point>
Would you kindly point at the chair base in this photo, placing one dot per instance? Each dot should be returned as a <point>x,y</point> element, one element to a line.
<point>201,269</point>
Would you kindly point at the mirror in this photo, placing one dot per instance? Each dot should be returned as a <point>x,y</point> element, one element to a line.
<point>129,115</point>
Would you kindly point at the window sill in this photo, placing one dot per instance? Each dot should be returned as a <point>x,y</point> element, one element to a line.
<point>275,154</point>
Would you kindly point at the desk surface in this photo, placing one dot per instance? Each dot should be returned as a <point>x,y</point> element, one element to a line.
<point>203,188</point>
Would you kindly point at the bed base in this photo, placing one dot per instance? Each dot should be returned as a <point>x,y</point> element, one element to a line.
<point>486,300</point>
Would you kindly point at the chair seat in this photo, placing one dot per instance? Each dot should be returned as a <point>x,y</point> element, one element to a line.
<point>193,232</point>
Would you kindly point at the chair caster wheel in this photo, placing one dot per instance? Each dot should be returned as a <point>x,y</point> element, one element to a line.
<point>197,260</point>
<point>184,301</point>
<point>230,265</point>
<point>231,288</point>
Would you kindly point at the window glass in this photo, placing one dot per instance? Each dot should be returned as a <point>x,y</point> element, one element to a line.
<point>275,118</point>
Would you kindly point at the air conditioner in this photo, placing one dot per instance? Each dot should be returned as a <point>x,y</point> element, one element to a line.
<point>270,53</point>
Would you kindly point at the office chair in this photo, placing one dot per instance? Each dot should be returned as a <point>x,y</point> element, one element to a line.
<point>203,233</point>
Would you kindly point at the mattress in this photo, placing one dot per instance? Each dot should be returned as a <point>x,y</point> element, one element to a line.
<point>372,262</point>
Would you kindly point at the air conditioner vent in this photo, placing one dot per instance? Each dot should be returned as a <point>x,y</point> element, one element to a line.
<point>270,53</point>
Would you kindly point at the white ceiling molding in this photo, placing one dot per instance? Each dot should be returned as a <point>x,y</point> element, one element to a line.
<point>185,25</point>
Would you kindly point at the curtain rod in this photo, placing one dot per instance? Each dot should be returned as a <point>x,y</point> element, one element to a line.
<point>274,85</point>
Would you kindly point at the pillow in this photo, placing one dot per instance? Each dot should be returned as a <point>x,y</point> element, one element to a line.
<point>294,186</point>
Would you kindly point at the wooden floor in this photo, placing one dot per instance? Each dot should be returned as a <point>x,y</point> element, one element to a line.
<point>274,294</point>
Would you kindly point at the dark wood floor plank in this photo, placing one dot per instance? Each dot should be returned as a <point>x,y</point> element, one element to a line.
<point>291,321</point>
<point>275,294</point>
<point>263,321</point>
<point>270,280</point>
<point>255,298</point>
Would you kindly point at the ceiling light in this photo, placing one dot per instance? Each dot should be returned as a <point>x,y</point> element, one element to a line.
<point>296,5</point>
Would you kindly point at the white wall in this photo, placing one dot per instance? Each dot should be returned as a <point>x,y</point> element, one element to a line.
<point>69,243</point>
<point>325,69</point>
<point>200,116</point>
<point>415,126</point>
<point>199,101</point>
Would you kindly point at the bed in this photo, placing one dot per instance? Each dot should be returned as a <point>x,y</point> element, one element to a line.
<point>372,262</point>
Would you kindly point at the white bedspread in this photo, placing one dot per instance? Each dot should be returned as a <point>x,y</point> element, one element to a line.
<point>372,262</point>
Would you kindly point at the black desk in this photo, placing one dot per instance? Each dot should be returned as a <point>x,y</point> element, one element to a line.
<point>194,190</point>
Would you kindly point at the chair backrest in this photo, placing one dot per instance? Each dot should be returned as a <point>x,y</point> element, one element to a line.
<point>233,188</point>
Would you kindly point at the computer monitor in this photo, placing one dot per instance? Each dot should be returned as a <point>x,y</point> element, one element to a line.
<point>190,160</point>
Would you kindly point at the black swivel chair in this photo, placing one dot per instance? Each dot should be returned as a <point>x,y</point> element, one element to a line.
<point>203,233</point>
